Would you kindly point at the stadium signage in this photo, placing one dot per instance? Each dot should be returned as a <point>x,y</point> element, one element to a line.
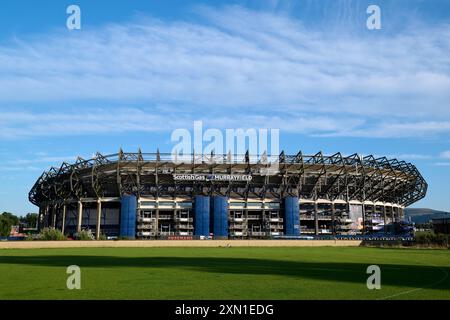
<point>212,177</point>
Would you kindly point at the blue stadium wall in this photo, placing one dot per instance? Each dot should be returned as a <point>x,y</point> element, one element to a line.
<point>210,215</point>
<point>220,217</point>
<point>128,212</point>
<point>291,216</point>
<point>201,216</point>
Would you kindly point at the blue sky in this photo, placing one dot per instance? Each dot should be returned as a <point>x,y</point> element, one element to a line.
<point>139,69</point>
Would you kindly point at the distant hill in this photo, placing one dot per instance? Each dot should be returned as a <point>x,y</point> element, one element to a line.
<point>424,215</point>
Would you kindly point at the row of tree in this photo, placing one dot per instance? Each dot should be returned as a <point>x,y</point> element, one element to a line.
<point>8,220</point>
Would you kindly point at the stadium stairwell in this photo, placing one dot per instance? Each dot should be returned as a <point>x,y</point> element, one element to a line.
<point>220,217</point>
<point>128,216</point>
<point>291,216</point>
<point>201,217</point>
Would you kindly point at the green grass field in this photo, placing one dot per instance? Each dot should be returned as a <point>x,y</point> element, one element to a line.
<point>224,273</point>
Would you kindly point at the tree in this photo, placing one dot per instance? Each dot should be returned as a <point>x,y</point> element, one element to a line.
<point>9,216</point>
<point>5,226</point>
<point>30,220</point>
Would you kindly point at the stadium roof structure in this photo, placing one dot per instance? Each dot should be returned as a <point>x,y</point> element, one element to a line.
<point>318,176</point>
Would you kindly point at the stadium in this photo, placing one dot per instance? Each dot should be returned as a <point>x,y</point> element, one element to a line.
<point>150,196</point>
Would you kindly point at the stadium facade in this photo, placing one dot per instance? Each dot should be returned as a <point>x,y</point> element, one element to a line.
<point>149,196</point>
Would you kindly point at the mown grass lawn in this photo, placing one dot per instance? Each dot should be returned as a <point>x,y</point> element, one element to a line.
<point>224,273</point>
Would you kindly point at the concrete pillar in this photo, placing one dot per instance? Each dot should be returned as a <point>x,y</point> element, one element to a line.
<point>63,223</point>
<point>363,231</point>
<point>316,218</point>
<point>39,220</point>
<point>155,227</point>
<point>42,219</point>
<point>333,213</point>
<point>384,217</point>
<point>54,216</point>
<point>99,217</point>
<point>45,217</point>
<point>80,215</point>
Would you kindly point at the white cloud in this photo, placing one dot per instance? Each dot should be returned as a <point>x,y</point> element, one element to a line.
<point>16,168</point>
<point>55,159</point>
<point>445,154</point>
<point>33,162</point>
<point>15,125</point>
<point>233,65</point>
<point>399,129</point>
<point>406,156</point>
<point>442,164</point>
<point>85,121</point>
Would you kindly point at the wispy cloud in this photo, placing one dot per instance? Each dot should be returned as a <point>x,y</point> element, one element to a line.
<point>445,154</point>
<point>85,121</point>
<point>21,162</point>
<point>395,128</point>
<point>79,122</point>
<point>407,156</point>
<point>17,168</point>
<point>14,125</point>
<point>33,162</point>
<point>235,62</point>
<point>442,164</point>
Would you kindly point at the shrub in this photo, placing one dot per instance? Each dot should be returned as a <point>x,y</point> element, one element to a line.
<point>5,226</point>
<point>84,235</point>
<point>31,236</point>
<point>441,239</point>
<point>102,237</point>
<point>50,234</point>
<point>430,238</point>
